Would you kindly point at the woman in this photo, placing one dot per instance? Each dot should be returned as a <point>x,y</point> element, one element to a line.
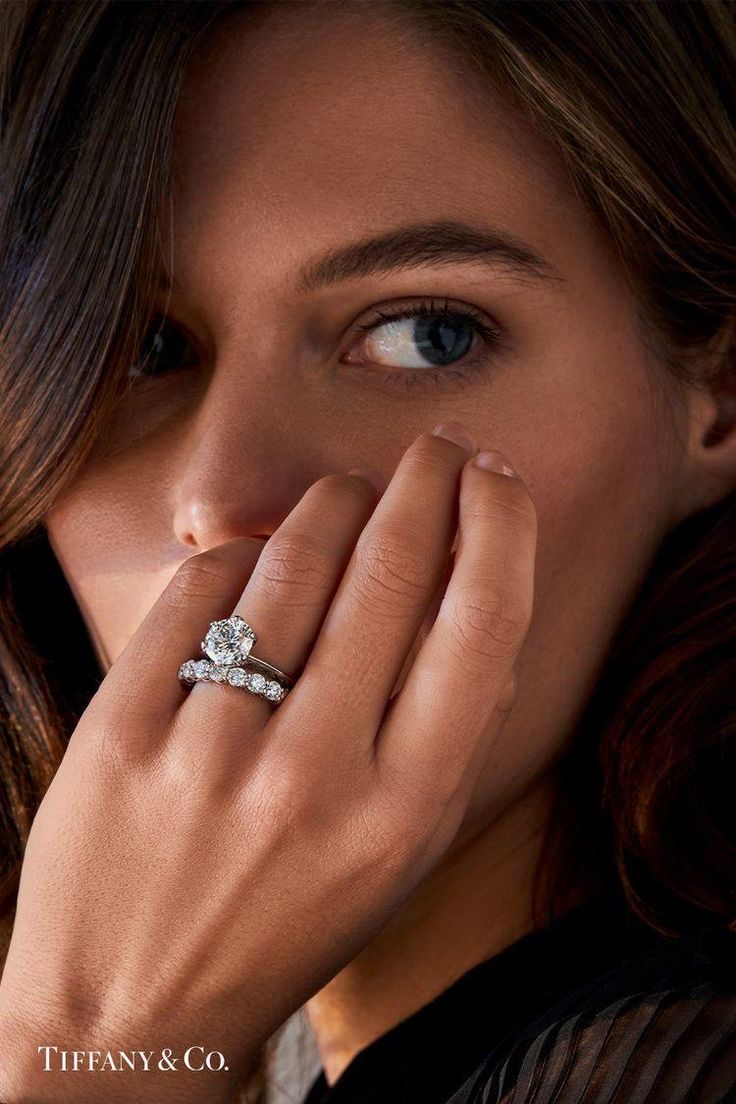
<point>480,830</point>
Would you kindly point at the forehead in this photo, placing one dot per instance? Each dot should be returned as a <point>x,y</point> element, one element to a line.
<point>302,124</point>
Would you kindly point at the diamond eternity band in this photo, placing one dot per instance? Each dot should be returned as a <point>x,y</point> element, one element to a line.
<point>204,670</point>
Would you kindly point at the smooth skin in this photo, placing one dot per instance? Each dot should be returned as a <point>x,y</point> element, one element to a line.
<point>302,131</point>
<point>303,827</point>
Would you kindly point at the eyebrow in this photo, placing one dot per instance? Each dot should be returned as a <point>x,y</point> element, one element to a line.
<point>444,241</point>
<point>419,244</point>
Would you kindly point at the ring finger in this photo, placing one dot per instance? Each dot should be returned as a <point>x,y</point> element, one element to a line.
<point>289,589</point>
<point>383,599</point>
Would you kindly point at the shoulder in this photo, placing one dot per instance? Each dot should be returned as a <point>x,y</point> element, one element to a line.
<point>660,1029</point>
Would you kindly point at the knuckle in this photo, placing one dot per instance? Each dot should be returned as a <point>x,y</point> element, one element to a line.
<point>106,750</point>
<point>293,567</point>
<point>114,750</point>
<point>276,795</point>
<point>390,576</point>
<point>491,625</point>
<point>409,813</point>
<point>511,502</point>
<point>430,453</point>
<point>388,831</point>
<point>412,802</point>
<point>201,576</point>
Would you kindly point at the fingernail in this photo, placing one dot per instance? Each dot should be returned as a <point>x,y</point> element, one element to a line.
<point>455,431</point>
<point>372,475</point>
<point>490,460</point>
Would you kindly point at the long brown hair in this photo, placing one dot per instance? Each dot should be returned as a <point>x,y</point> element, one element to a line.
<point>639,98</point>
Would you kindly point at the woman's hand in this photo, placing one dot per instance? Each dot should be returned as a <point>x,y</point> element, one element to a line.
<point>203,862</point>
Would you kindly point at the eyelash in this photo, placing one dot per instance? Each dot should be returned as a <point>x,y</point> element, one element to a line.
<point>490,335</point>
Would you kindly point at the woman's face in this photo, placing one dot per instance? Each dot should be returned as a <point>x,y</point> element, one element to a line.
<point>318,150</point>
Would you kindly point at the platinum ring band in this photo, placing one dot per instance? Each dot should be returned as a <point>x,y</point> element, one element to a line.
<point>269,671</point>
<point>204,670</point>
<point>227,650</point>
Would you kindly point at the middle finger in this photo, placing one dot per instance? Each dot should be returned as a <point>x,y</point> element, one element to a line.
<point>395,569</point>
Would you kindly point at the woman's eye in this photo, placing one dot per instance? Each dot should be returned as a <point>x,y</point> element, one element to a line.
<point>166,348</point>
<point>422,343</point>
<point>423,337</point>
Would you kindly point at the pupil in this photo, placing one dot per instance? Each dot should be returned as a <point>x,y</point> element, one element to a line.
<point>438,340</point>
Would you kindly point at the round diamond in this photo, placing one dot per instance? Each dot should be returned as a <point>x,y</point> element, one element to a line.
<point>255,681</point>
<point>236,676</point>
<point>218,674</point>
<point>229,641</point>
<point>186,671</point>
<point>274,691</point>
<point>201,669</point>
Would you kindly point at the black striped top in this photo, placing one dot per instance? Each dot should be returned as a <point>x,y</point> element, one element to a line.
<point>596,1008</point>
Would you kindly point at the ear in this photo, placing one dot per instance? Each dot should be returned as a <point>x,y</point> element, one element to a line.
<point>711,446</point>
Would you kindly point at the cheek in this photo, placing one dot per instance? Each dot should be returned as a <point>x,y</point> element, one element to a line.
<point>599,472</point>
<point>104,535</point>
<point>601,487</point>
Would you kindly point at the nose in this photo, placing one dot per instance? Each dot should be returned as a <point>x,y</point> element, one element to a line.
<point>244,461</point>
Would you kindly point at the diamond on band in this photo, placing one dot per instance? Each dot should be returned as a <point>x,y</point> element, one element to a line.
<point>205,670</point>
<point>227,646</point>
<point>228,643</point>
